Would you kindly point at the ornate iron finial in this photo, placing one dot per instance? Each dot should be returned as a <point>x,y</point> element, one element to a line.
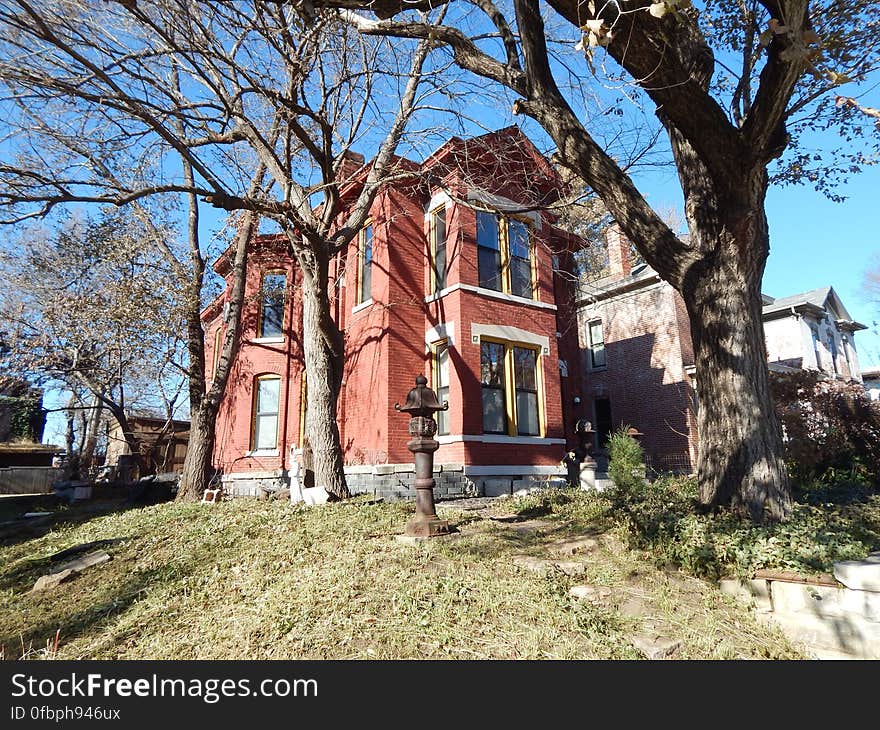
<point>421,400</point>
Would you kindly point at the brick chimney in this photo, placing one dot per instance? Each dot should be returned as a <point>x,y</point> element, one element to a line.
<point>351,163</point>
<point>619,257</point>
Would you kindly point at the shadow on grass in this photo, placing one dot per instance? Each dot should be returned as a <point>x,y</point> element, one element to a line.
<point>78,623</point>
<point>65,516</point>
<point>26,571</point>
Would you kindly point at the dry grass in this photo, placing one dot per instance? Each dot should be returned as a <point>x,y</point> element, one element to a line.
<point>264,580</point>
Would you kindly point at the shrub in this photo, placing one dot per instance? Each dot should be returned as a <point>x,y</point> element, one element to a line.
<point>816,535</point>
<point>828,426</point>
<point>626,462</point>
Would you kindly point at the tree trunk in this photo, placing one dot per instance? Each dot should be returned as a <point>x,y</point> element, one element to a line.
<point>322,343</point>
<point>204,406</point>
<point>740,463</point>
<point>91,436</point>
<point>197,466</point>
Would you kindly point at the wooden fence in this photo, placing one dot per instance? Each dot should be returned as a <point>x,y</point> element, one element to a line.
<point>28,479</point>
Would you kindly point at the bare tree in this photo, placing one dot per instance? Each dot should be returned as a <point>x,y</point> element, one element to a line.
<point>729,84</point>
<point>248,106</point>
<point>86,307</point>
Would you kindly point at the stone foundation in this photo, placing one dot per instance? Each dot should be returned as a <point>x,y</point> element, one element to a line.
<point>393,482</point>
<point>253,483</point>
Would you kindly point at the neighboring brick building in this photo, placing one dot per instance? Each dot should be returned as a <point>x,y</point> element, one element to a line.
<point>453,277</point>
<point>639,359</point>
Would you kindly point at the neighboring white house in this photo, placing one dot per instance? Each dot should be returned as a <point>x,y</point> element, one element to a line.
<point>871,379</point>
<point>812,331</point>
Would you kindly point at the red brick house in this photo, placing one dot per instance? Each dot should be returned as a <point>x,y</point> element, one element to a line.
<point>455,277</point>
<point>639,358</point>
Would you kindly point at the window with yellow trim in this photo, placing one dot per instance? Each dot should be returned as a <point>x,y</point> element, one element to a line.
<point>303,407</point>
<point>438,248</point>
<point>441,384</point>
<point>267,389</point>
<point>505,254</point>
<point>218,346</point>
<point>510,379</point>
<point>365,264</point>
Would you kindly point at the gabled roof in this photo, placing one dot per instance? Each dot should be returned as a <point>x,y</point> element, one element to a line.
<point>486,153</point>
<point>815,301</point>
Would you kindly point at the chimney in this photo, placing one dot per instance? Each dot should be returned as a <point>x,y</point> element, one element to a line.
<point>351,163</point>
<point>619,257</point>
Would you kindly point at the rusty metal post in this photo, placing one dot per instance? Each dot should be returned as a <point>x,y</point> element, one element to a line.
<point>421,404</point>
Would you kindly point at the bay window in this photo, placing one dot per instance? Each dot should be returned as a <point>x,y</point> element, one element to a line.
<point>510,380</point>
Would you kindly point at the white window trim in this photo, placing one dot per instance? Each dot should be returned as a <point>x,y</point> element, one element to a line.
<point>439,199</point>
<point>442,331</point>
<point>504,205</point>
<point>263,452</point>
<point>266,340</point>
<point>497,438</point>
<point>512,335</point>
<point>489,293</point>
<point>363,305</point>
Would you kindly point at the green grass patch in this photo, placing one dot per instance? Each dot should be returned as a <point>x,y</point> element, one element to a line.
<point>262,580</point>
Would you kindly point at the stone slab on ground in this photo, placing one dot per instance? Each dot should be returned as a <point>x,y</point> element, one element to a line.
<point>545,566</point>
<point>65,572</point>
<point>861,575</point>
<point>573,545</point>
<point>635,606</point>
<point>83,547</point>
<point>48,582</point>
<point>655,646</point>
<point>97,557</point>
<point>527,526</point>
<point>420,539</point>
<point>468,504</point>
<point>591,594</point>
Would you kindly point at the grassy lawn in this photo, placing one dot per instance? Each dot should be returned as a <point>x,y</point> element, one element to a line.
<point>261,580</point>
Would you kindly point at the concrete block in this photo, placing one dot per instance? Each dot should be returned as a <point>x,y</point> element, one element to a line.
<point>383,469</point>
<point>846,636</point>
<point>496,487</point>
<point>315,496</point>
<point>862,575</point>
<point>751,592</point>
<point>826,601</point>
<point>452,467</point>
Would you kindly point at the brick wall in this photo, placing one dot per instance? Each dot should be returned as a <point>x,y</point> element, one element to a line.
<point>647,346</point>
<point>386,346</point>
